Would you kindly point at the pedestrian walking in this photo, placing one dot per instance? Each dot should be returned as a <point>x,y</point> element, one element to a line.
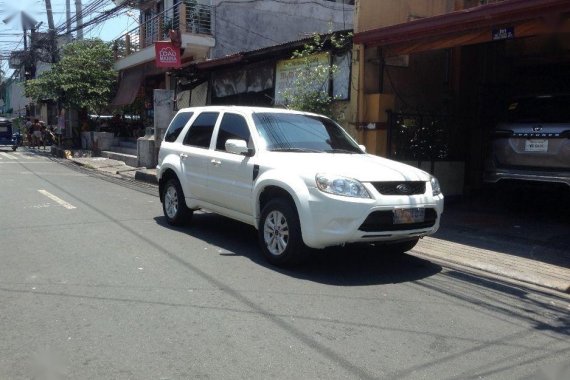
<point>37,133</point>
<point>59,130</point>
<point>29,132</point>
<point>43,133</point>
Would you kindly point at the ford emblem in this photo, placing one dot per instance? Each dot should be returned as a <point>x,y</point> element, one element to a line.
<point>404,188</point>
<point>537,128</point>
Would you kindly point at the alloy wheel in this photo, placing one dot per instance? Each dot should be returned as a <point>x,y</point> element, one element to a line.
<point>171,202</point>
<point>276,233</point>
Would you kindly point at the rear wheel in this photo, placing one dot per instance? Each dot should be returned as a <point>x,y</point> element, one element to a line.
<point>400,247</point>
<point>173,204</point>
<point>280,233</point>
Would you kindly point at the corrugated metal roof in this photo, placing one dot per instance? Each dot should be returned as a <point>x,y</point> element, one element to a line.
<point>241,56</point>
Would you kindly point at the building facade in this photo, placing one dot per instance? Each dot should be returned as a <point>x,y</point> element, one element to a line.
<point>205,30</point>
<point>432,77</point>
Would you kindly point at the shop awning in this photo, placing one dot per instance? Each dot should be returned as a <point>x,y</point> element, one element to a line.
<point>485,23</point>
<point>129,86</point>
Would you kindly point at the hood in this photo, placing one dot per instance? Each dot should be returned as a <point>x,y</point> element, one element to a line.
<point>363,167</point>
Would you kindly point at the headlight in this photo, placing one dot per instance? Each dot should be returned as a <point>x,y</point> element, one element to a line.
<point>341,186</point>
<point>436,189</point>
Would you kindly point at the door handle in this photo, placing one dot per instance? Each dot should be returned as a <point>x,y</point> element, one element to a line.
<point>216,162</point>
<point>183,156</point>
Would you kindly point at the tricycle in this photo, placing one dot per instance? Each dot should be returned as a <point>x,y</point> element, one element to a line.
<point>7,137</point>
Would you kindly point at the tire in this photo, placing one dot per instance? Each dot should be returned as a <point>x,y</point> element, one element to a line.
<point>279,233</point>
<point>400,247</point>
<point>173,204</point>
<point>14,147</point>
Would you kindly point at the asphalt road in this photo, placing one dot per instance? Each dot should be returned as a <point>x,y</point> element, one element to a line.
<point>95,285</point>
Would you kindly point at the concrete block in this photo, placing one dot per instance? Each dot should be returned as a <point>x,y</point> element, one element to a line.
<point>146,152</point>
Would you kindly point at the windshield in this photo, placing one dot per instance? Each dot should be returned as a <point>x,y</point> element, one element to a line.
<point>302,133</point>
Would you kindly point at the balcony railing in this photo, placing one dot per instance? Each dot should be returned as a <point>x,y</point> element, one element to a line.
<point>187,18</point>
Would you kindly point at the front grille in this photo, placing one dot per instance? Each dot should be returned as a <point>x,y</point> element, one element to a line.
<point>384,221</point>
<point>400,187</point>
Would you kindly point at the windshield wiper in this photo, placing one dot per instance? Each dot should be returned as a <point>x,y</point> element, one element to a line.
<point>302,150</point>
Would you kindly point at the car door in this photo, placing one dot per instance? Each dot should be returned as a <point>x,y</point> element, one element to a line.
<point>231,175</point>
<point>195,155</point>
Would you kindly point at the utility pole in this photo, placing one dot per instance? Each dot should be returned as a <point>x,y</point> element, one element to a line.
<point>79,17</point>
<point>51,32</point>
<point>49,15</point>
<point>68,18</point>
<point>28,23</point>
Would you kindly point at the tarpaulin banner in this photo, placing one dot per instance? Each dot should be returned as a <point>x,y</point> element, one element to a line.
<point>167,55</point>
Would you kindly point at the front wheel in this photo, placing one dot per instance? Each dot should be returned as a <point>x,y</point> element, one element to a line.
<point>173,204</point>
<point>280,233</point>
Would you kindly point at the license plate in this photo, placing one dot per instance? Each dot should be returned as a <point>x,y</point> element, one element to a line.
<point>409,215</point>
<point>3,129</point>
<point>536,146</point>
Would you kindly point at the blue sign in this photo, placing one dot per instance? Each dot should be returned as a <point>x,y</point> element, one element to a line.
<point>507,33</point>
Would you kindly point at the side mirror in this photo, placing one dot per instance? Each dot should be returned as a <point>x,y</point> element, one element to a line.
<point>363,148</point>
<point>238,147</point>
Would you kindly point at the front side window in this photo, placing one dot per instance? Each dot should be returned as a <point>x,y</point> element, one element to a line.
<point>176,126</point>
<point>201,130</point>
<point>303,133</point>
<point>232,126</point>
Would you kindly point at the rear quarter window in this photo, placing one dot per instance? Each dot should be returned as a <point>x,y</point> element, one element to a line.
<point>176,126</point>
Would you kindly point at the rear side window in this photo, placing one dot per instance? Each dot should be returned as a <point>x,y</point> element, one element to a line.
<point>201,130</point>
<point>232,126</point>
<point>176,126</point>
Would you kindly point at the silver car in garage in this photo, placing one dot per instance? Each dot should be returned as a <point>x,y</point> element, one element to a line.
<point>533,143</point>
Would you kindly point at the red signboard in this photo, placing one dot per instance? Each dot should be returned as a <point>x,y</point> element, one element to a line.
<point>167,54</point>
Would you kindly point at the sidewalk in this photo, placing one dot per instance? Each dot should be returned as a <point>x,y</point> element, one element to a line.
<point>522,241</point>
<point>472,237</point>
<point>107,165</point>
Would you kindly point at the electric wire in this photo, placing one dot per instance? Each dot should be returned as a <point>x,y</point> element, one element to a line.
<point>96,6</point>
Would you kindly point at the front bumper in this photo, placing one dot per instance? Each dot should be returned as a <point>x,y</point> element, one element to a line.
<point>334,220</point>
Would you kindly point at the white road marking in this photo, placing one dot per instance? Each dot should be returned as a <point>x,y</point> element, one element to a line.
<point>8,156</point>
<point>56,199</point>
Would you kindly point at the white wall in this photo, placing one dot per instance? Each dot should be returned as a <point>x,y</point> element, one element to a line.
<point>18,101</point>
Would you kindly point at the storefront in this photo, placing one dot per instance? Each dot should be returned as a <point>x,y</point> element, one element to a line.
<point>452,76</point>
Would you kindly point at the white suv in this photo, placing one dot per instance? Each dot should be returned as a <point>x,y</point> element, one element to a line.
<point>297,177</point>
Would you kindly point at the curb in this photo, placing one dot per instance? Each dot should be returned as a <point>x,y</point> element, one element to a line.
<point>145,176</point>
<point>556,279</point>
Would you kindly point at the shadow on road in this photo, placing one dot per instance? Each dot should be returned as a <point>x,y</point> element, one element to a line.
<point>352,265</point>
